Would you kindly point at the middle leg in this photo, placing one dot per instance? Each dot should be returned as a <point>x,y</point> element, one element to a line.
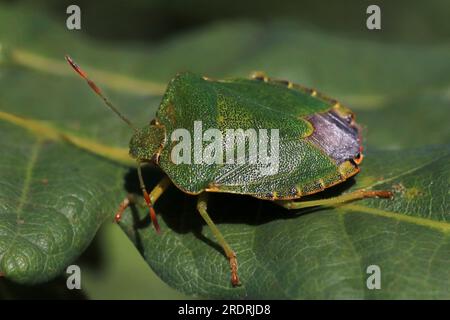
<point>202,205</point>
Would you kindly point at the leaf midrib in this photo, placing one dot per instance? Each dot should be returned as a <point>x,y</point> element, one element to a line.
<point>24,193</point>
<point>133,85</point>
<point>47,132</point>
<point>441,226</point>
<point>113,80</point>
<point>28,176</point>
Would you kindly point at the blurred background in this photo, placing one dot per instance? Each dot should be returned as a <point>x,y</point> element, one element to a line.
<point>155,20</point>
<point>112,267</point>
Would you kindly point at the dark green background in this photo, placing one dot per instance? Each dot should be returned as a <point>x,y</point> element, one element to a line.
<point>152,21</point>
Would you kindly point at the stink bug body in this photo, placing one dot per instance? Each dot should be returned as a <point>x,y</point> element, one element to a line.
<point>319,143</point>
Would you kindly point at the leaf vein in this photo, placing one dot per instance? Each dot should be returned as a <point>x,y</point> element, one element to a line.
<point>443,227</point>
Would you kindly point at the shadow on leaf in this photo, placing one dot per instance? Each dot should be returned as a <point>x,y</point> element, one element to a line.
<point>179,212</point>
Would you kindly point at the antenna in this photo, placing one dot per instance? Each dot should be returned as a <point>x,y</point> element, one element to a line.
<point>97,90</point>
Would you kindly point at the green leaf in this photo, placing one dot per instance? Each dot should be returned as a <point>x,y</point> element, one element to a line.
<point>322,253</point>
<point>55,289</point>
<point>64,165</point>
<point>53,199</point>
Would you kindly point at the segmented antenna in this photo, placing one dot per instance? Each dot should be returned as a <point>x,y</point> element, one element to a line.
<point>96,89</point>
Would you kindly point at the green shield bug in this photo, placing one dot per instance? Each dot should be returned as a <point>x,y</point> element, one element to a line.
<point>318,144</point>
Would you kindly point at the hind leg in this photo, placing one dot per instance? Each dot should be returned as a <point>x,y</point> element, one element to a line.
<point>356,195</point>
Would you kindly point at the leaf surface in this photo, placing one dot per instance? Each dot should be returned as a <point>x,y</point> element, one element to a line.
<point>64,165</point>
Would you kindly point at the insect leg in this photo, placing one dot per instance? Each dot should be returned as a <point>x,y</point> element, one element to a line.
<point>122,207</point>
<point>147,199</point>
<point>157,191</point>
<point>202,205</point>
<point>356,195</point>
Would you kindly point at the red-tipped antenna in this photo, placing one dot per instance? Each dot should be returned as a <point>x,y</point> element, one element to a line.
<point>96,89</point>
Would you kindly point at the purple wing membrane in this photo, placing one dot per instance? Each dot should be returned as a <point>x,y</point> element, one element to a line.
<point>338,137</point>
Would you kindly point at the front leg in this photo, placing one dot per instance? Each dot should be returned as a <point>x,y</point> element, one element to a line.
<point>131,199</point>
